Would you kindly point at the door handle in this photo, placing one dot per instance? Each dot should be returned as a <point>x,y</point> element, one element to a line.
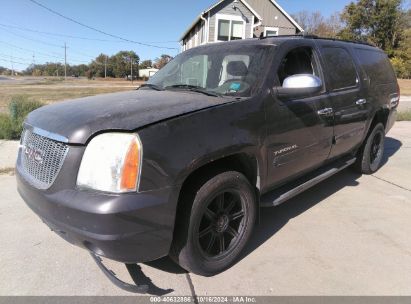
<point>325,112</point>
<point>361,102</point>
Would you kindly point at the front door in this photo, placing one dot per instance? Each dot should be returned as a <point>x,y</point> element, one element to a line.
<point>300,130</point>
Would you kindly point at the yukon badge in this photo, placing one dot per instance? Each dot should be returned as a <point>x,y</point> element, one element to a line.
<point>284,150</point>
<point>34,154</point>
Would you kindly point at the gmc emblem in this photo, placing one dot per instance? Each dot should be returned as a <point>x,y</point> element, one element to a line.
<point>34,154</point>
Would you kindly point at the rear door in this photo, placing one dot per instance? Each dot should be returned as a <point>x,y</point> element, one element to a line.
<point>347,96</point>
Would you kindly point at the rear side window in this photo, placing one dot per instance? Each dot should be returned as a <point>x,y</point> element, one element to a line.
<point>340,67</point>
<point>376,65</point>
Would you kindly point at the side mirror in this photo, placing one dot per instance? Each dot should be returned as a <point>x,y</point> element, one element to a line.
<point>301,85</point>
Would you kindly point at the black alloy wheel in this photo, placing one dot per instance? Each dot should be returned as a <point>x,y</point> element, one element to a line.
<point>214,223</point>
<point>222,225</point>
<point>371,154</point>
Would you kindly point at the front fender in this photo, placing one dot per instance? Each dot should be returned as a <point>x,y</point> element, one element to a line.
<point>173,149</point>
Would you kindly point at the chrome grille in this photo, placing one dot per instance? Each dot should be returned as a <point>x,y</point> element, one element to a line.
<point>41,158</point>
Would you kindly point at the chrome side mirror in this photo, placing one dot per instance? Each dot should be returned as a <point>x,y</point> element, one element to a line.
<point>302,81</point>
<point>299,86</point>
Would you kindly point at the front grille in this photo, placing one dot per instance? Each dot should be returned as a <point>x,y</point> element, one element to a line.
<point>41,158</point>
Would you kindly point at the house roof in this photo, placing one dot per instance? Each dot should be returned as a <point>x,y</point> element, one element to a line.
<point>251,10</point>
<point>213,6</point>
<point>288,16</point>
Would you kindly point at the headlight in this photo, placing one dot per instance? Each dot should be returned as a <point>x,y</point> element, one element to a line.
<point>111,163</point>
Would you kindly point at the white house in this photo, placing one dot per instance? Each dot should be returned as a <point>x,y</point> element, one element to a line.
<point>147,73</point>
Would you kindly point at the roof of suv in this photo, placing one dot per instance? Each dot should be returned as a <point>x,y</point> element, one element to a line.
<point>278,40</point>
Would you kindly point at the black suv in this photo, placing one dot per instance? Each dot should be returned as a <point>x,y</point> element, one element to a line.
<point>182,165</point>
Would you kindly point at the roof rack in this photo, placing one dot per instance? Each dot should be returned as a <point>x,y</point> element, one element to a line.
<point>310,36</point>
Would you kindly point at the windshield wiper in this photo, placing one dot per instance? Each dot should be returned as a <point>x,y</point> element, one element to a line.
<point>152,86</point>
<point>193,88</point>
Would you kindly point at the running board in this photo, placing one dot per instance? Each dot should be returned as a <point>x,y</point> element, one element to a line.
<point>284,193</point>
<point>116,281</point>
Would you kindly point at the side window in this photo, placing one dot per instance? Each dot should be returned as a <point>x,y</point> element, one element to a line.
<point>376,65</point>
<point>298,61</point>
<point>340,67</point>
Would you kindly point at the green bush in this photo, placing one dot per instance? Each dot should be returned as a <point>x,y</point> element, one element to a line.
<point>402,67</point>
<point>11,125</point>
<point>6,127</point>
<point>404,116</point>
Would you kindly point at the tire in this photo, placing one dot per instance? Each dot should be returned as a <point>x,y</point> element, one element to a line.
<point>212,233</point>
<point>370,156</point>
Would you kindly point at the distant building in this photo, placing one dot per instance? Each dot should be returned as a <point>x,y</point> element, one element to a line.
<point>239,19</point>
<point>147,73</point>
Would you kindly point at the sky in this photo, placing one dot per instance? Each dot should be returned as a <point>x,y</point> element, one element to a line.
<point>155,22</point>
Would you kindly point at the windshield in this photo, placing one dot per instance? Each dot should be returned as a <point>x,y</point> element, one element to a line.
<point>231,70</point>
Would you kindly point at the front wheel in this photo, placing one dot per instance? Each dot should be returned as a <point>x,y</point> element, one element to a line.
<point>371,154</point>
<point>211,237</point>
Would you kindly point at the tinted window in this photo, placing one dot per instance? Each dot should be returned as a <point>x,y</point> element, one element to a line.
<point>376,65</point>
<point>341,68</point>
<point>298,61</point>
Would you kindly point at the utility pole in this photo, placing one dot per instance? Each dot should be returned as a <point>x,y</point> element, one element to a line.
<point>12,66</point>
<point>65,61</point>
<point>131,63</point>
<point>105,68</point>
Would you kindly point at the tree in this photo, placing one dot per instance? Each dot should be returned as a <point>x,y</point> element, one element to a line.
<point>99,65</point>
<point>4,71</point>
<point>314,23</point>
<point>401,60</point>
<point>122,63</point>
<point>146,64</point>
<point>162,61</point>
<point>381,22</point>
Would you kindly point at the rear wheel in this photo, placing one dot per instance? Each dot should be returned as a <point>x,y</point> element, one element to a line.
<point>371,154</point>
<point>211,237</point>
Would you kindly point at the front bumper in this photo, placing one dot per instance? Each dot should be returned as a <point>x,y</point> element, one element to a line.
<point>128,228</point>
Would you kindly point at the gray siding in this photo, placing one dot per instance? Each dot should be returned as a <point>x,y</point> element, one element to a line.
<point>227,8</point>
<point>268,11</point>
<point>271,15</point>
<point>195,36</point>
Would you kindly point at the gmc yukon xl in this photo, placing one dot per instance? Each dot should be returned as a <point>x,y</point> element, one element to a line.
<point>182,166</point>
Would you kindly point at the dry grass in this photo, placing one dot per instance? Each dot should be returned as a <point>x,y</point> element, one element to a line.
<point>405,86</point>
<point>8,171</point>
<point>55,90</point>
<point>404,116</point>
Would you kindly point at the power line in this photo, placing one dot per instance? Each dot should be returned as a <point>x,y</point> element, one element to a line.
<point>76,37</point>
<point>56,34</point>
<point>31,51</point>
<point>31,39</point>
<point>97,30</point>
<point>13,61</point>
<point>47,54</point>
<point>46,43</point>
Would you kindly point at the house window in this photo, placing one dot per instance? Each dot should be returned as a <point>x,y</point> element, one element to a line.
<point>271,31</point>
<point>223,30</point>
<point>230,28</point>
<point>236,30</point>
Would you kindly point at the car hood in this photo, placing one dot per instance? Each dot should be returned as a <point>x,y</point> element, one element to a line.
<point>78,120</point>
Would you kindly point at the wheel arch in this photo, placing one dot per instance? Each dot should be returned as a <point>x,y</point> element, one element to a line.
<point>243,163</point>
<point>380,116</point>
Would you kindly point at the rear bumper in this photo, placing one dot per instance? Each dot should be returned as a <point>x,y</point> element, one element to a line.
<point>392,117</point>
<point>128,228</point>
